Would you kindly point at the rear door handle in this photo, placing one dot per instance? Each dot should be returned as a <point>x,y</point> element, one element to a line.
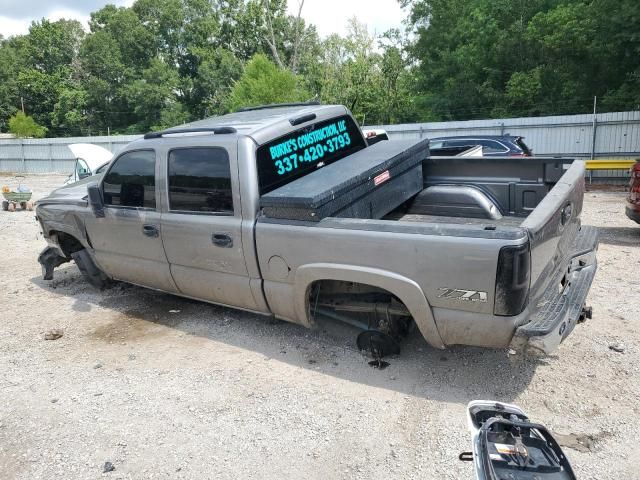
<point>222,240</point>
<point>151,231</point>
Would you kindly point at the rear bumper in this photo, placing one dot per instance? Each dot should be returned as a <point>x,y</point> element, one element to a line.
<point>558,310</point>
<point>632,213</point>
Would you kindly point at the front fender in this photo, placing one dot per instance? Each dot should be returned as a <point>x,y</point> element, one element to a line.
<point>57,219</point>
<point>408,291</point>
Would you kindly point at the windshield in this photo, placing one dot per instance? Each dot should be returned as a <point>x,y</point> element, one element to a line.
<point>292,156</point>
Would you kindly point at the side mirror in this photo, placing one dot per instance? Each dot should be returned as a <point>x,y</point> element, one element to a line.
<point>82,175</point>
<point>95,200</point>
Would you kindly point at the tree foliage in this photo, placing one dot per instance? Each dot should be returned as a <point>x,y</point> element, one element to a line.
<point>489,58</point>
<point>163,62</point>
<point>264,83</point>
<point>24,126</point>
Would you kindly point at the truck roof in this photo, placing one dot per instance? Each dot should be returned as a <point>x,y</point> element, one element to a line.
<point>267,122</point>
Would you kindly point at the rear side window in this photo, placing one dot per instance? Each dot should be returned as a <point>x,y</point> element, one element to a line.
<point>131,181</point>
<point>491,146</point>
<point>298,153</point>
<point>200,180</point>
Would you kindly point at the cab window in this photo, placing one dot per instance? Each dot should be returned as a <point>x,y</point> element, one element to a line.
<point>200,180</point>
<point>131,181</point>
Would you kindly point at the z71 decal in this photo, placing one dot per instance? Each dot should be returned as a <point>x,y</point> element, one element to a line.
<point>463,295</point>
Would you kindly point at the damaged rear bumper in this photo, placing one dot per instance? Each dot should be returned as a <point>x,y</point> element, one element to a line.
<point>562,305</point>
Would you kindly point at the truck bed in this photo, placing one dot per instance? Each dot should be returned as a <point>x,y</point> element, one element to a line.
<point>537,203</point>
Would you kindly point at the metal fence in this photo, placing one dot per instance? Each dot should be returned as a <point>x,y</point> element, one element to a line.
<point>605,135</point>
<point>50,155</point>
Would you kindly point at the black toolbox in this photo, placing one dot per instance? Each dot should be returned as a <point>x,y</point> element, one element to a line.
<point>367,184</point>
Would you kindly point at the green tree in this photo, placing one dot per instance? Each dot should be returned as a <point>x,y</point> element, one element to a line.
<point>126,35</point>
<point>263,83</point>
<point>10,65</point>
<point>24,126</point>
<point>152,94</point>
<point>351,74</point>
<point>49,65</point>
<point>488,58</point>
<point>69,114</point>
<point>51,45</point>
<point>218,70</point>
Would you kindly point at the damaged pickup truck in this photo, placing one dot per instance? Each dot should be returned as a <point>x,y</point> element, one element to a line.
<point>286,211</point>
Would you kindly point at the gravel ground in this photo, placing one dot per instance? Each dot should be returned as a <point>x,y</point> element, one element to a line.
<point>163,387</point>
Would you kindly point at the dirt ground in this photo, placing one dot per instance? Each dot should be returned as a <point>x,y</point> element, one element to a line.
<point>164,387</point>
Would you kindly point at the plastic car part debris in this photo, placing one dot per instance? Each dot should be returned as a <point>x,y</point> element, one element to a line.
<point>507,445</point>
<point>49,259</point>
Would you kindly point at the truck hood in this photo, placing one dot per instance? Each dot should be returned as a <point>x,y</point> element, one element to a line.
<point>73,194</point>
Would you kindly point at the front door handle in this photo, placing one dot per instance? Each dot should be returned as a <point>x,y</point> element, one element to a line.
<point>222,240</point>
<point>151,231</point>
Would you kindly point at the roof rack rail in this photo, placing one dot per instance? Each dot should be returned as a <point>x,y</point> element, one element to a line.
<point>278,105</point>
<point>176,131</point>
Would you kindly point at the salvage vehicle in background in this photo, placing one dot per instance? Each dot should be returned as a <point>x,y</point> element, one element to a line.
<point>286,211</point>
<point>633,199</point>
<point>90,159</point>
<point>492,145</point>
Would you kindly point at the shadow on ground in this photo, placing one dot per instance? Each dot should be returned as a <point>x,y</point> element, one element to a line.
<point>457,375</point>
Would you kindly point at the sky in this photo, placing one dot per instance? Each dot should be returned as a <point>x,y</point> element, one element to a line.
<point>329,16</point>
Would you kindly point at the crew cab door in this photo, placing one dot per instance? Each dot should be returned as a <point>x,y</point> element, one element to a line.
<point>127,242</point>
<point>201,227</point>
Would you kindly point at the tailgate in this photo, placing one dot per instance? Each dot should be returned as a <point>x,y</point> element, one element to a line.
<point>553,226</point>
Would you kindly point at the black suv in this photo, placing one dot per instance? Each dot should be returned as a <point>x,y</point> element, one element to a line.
<point>492,145</point>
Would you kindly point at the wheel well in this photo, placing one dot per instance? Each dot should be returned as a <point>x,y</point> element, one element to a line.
<point>68,243</point>
<point>356,303</point>
<point>341,287</point>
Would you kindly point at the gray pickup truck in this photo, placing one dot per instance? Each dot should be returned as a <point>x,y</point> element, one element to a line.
<point>486,251</point>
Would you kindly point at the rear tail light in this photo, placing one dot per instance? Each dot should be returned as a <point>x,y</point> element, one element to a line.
<point>512,280</point>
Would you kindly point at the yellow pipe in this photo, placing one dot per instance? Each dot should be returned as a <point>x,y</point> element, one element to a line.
<point>609,164</point>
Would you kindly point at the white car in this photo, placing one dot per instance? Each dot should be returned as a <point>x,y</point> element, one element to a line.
<point>90,159</point>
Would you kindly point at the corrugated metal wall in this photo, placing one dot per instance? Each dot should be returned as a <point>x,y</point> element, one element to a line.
<point>617,133</point>
<point>50,155</point>
<point>617,136</point>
